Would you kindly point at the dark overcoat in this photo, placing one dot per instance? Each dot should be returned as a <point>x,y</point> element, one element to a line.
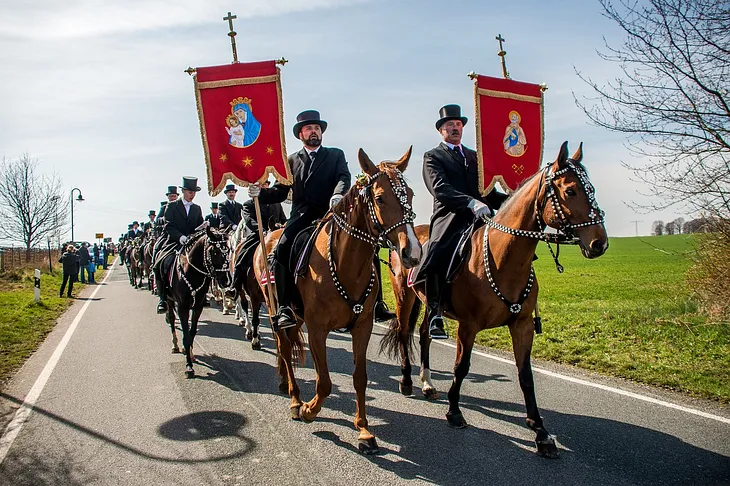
<point>314,183</point>
<point>218,220</point>
<point>271,214</point>
<point>179,223</point>
<point>453,183</point>
<point>232,210</point>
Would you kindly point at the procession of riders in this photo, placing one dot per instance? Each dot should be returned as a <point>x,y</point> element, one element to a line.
<point>321,178</point>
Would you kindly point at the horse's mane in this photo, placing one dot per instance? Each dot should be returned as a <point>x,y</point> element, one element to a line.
<point>518,193</point>
<point>350,197</point>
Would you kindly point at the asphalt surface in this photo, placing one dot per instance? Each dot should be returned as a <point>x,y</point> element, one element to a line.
<point>117,409</point>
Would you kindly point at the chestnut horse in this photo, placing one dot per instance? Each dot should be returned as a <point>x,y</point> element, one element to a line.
<point>340,277</point>
<point>497,285</point>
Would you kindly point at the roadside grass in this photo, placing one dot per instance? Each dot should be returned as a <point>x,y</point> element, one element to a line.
<point>24,324</point>
<point>628,314</point>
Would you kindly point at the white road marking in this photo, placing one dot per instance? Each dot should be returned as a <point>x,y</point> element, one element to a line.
<point>21,415</point>
<point>607,388</point>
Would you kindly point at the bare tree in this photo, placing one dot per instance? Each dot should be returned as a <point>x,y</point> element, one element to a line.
<point>657,228</point>
<point>672,99</point>
<point>680,224</point>
<point>32,206</point>
<point>670,228</point>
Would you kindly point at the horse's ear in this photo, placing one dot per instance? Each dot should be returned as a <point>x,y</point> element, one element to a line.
<point>366,164</point>
<point>562,156</point>
<point>208,230</point>
<point>402,163</point>
<point>578,155</point>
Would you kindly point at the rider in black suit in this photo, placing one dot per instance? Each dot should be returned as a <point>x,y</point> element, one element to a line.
<point>450,172</point>
<point>321,177</point>
<point>230,208</point>
<point>182,218</point>
<point>216,219</point>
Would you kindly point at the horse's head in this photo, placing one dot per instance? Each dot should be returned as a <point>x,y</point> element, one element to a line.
<point>570,203</point>
<point>389,201</point>
<point>217,255</point>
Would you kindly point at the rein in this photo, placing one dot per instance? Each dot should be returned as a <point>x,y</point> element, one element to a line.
<point>364,183</point>
<point>210,269</point>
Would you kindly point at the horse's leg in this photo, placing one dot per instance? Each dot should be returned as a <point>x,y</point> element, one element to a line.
<point>318,348</point>
<point>255,310</point>
<point>404,309</point>
<point>183,313</point>
<point>428,389</point>
<point>464,344</point>
<point>281,370</point>
<point>522,335</point>
<point>284,343</point>
<point>170,318</point>
<point>366,442</point>
<point>194,330</point>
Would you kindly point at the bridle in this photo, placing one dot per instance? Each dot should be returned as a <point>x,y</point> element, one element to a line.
<point>565,229</point>
<point>364,183</point>
<point>565,234</point>
<point>210,271</point>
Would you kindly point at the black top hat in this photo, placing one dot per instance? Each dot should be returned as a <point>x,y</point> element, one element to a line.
<point>214,205</point>
<point>231,187</point>
<point>130,225</point>
<point>171,190</point>
<point>163,204</point>
<point>151,213</point>
<point>450,112</point>
<point>190,183</point>
<point>306,118</point>
<point>135,222</point>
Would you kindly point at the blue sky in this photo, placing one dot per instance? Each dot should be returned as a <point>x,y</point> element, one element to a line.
<point>96,89</point>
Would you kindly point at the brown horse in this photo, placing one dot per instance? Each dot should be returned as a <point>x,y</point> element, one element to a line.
<point>136,263</point>
<point>497,286</point>
<point>147,251</point>
<point>340,275</point>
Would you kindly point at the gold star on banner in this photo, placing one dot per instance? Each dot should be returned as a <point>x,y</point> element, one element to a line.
<point>223,157</point>
<point>248,161</point>
<point>269,150</point>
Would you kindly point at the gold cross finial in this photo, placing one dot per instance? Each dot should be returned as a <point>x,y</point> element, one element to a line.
<point>502,53</point>
<point>232,35</point>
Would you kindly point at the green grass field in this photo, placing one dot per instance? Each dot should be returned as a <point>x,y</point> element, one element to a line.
<point>628,314</point>
<point>23,322</point>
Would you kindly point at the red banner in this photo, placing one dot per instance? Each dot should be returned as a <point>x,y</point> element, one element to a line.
<point>241,122</point>
<point>509,125</point>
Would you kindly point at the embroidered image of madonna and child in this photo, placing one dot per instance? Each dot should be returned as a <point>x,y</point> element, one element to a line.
<point>515,142</point>
<point>243,128</point>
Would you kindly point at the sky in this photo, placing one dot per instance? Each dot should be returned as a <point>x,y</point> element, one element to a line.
<point>96,90</point>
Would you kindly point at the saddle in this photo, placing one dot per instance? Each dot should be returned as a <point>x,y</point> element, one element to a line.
<point>301,249</point>
<point>461,254</point>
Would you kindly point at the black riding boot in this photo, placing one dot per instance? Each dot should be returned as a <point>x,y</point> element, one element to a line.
<point>161,291</point>
<point>284,318</point>
<point>434,287</point>
<point>381,313</point>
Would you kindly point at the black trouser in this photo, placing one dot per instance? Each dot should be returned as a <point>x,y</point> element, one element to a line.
<point>67,277</point>
<point>282,254</point>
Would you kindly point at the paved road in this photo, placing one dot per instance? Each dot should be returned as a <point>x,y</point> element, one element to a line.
<point>118,410</point>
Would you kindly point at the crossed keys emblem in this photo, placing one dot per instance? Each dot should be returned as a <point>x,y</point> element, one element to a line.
<point>519,169</point>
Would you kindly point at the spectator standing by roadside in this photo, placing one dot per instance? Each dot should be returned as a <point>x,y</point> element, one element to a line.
<point>92,271</point>
<point>85,258</point>
<point>70,261</point>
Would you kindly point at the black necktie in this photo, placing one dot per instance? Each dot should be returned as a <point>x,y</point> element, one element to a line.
<point>459,154</point>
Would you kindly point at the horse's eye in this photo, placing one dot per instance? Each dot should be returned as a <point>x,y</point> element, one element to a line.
<point>570,192</point>
<point>379,199</point>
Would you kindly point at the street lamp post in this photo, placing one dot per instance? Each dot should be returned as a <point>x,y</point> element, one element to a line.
<point>80,198</point>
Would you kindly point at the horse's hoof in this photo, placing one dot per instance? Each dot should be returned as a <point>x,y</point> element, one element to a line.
<point>294,411</point>
<point>240,322</point>
<point>547,448</point>
<point>175,350</point>
<point>249,335</point>
<point>430,394</point>
<point>367,446</point>
<point>405,390</point>
<point>226,312</point>
<point>306,417</point>
<point>456,420</point>
<point>189,372</point>
<point>284,388</point>
<point>256,344</point>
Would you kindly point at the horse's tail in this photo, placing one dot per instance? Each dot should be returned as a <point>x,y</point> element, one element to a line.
<point>298,351</point>
<point>394,338</point>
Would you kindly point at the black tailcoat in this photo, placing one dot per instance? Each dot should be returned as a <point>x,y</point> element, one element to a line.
<point>271,214</point>
<point>232,210</point>
<point>178,223</point>
<point>453,184</point>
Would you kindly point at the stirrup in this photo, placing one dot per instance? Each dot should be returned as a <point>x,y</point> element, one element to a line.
<point>436,327</point>
<point>285,318</point>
